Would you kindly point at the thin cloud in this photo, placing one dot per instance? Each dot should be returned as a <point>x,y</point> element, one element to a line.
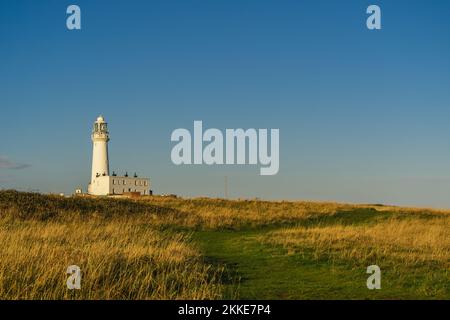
<point>5,163</point>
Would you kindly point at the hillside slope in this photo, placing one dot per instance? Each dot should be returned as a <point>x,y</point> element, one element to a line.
<point>172,248</point>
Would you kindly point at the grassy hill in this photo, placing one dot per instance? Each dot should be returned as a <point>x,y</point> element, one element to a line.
<point>171,248</point>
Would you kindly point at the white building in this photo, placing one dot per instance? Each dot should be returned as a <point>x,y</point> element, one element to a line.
<point>102,183</point>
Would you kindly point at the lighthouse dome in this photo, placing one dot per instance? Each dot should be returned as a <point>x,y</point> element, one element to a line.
<point>100,119</point>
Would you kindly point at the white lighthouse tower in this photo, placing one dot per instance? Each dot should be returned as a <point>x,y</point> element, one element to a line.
<point>100,138</point>
<point>100,161</point>
<point>102,183</point>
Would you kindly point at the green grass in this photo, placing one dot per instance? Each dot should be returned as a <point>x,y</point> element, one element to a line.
<point>262,271</point>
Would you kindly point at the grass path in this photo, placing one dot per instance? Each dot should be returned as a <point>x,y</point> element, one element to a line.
<point>267,272</point>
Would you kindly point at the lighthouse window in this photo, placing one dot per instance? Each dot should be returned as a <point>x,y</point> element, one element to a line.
<point>124,182</point>
<point>114,181</point>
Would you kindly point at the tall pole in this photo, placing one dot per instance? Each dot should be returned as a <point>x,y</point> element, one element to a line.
<point>226,187</point>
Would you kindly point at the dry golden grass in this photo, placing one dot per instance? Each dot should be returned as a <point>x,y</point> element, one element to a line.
<point>205,213</point>
<point>141,249</point>
<point>409,241</point>
<point>119,259</point>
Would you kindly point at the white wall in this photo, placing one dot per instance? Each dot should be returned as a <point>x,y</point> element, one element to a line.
<point>99,186</point>
<point>100,163</point>
<point>129,184</point>
<point>107,185</point>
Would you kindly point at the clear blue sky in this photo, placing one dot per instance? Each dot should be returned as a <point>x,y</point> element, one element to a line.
<point>363,115</point>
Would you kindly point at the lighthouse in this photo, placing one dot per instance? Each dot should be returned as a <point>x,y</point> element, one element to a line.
<point>100,138</point>
<point>102,184</point>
